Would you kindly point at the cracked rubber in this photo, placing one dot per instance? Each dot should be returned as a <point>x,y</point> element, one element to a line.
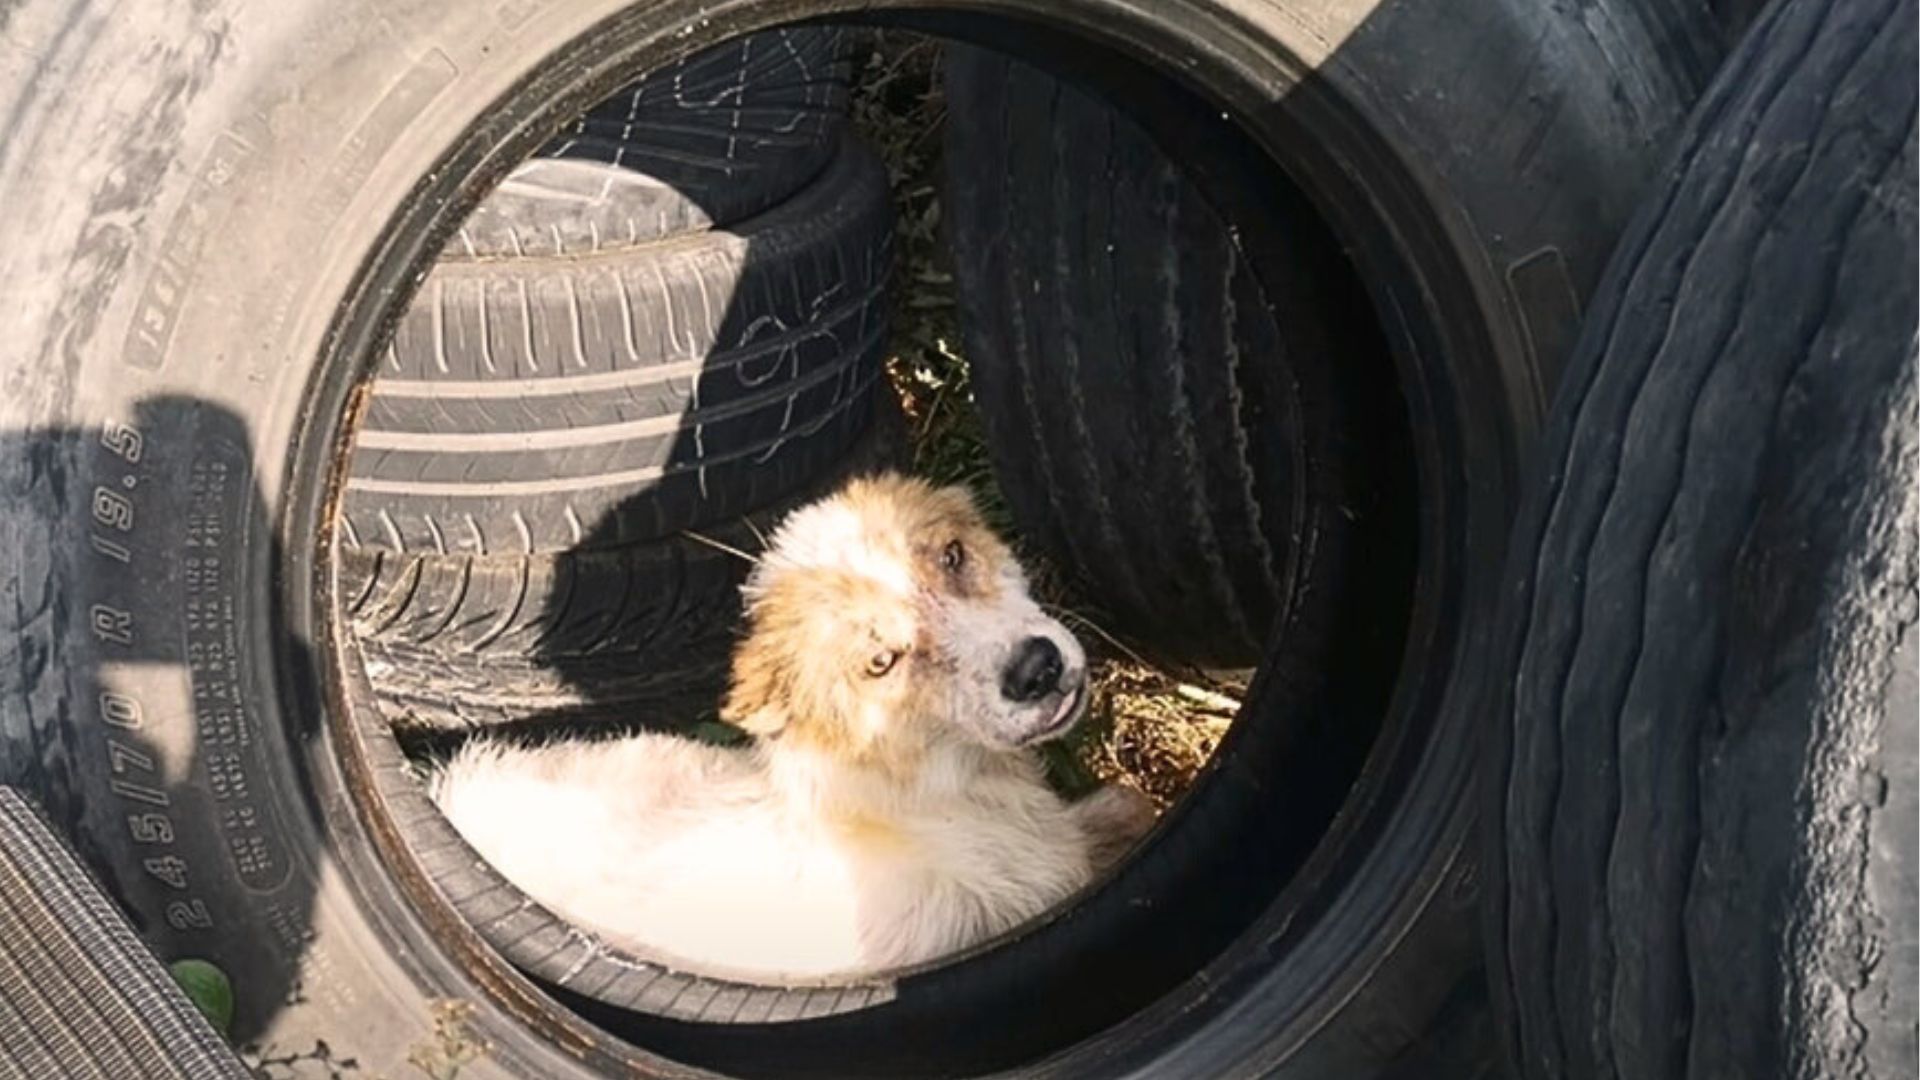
<point>1701,824</point>
<point>528,405</point>
<point>711,140</point>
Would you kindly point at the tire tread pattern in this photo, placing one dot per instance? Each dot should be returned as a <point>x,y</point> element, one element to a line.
<point>603,633</point>
<point>523,405</point>
<point>705,142</point>
<point>1728,505</point>
<point>1136,380</point>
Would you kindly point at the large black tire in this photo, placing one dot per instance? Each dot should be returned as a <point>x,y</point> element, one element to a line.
<point>214,211</point>
<point>526,403</point>
<point>705,142</point>
<point>1169,350</point>
<point>1701,806</point>
<point>1160,419</point>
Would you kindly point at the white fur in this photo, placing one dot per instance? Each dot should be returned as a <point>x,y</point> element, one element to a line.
<point>730,861</point>
<point>832,535</point>
<point>790,859</point>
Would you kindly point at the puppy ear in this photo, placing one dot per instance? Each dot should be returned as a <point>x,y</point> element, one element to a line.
<point>757,700</point>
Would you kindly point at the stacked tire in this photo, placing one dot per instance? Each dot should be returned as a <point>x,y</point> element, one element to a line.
<point>670,319</point>
<point>1161,418</point>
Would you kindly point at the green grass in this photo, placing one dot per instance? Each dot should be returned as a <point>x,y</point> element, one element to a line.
<point>899,108</point>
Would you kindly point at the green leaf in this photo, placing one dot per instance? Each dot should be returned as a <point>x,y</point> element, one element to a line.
<point>209,990</point>
<point>717,733</point>
<point>1066,772</point>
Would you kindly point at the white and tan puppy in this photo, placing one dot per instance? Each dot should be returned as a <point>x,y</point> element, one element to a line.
<point>896,674</point>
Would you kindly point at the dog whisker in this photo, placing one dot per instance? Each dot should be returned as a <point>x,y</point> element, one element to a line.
<point>728,548</point>
<point>1072,616</point>
<point>755,530</point>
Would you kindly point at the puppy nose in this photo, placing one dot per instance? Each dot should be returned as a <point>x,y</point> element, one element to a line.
<point>1034,671</point>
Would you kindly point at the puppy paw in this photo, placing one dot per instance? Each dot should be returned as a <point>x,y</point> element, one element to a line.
<point>1115,818</point>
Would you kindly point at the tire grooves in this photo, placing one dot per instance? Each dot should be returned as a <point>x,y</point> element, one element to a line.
<point>588,432</point>
<point>708,141</point>
<point>1247,482</point>
<point>1636,1021</point>
<point>1688,854</point>
<point>697,469</point>
<point>454,601</point>
<point>482,488</point>
<point>556,617</point>
<point>1652,237</point>
<point>523,581</point>
<point>1111,553</point>
<point>623,132</point>
<point>410,578</point>
<point>676,583</point>
<point>1119,423</point>
<point>1000,206</point>
<point>1181,423</point>
<point>365,592</point>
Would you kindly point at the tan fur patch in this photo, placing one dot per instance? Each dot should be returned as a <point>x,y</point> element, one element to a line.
<point>925,519</point>
<point>800,672</point>
<point>869,834</point>
<point>812,629</point>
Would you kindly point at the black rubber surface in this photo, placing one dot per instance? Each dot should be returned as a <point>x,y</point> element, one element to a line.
<point>624,633</point>
<point>527,403</point>
<point>80,996</point>
<point>705,142</point>
<point>1692,832</point>
<point>461,641</point>
<point>1161,419</point>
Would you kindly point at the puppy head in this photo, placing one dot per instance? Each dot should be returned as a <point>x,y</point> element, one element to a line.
<point>890,614</point>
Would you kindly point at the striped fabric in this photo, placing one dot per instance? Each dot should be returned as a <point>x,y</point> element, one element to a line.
<point>80,996</point>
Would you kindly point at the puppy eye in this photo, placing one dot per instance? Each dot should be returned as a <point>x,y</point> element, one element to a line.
<point>953,557</point>
<point>882,662</point>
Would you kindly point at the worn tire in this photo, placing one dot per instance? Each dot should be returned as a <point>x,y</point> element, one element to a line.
<point>1160,419</point>
<point>620,632</point>
<point>1701,823</point>
<point>1170,352</point>
<point>524,405</point>
<point>705,142</point>
<point>455,642</point>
